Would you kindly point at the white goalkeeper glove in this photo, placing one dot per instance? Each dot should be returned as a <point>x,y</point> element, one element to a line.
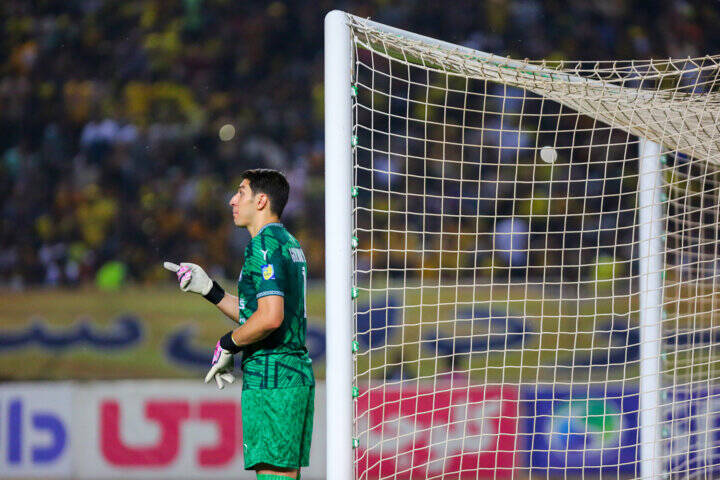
<point>223,363</point>
<point>193,279</point>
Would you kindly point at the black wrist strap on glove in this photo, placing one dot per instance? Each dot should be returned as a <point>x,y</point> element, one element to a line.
<point>226,342</point>
<point>215,294</point>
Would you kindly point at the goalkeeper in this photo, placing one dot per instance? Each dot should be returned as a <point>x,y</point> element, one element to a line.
<point>278,383</point>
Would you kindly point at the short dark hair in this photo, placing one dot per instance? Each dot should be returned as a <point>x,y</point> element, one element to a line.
<point>270,182</point>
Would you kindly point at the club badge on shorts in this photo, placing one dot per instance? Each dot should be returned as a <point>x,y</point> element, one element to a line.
<point>268,272</point>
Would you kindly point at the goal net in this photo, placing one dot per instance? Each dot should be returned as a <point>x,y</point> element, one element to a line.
<point>534,264</point>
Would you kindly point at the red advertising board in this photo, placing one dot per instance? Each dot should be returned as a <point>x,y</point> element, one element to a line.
<point>168,429</point>
<point>408,431</point>
<point>169,417</point>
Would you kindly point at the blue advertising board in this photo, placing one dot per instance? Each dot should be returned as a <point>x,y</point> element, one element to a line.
<point>35,437</point>
<point>691,431</point>
<point>580,429</point>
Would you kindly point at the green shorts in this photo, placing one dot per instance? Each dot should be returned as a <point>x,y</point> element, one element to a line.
<point>277,426</point>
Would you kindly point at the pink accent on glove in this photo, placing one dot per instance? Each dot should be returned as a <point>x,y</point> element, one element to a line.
<point>181,271</point>
<point>216,353</point>
<point>183,274</point>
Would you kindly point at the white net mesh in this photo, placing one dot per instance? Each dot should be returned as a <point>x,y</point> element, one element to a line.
<point>496,269</point>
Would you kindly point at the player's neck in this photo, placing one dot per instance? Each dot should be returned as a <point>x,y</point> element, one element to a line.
<point>255,227</point>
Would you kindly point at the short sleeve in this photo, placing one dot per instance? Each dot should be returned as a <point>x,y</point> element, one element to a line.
<point>271,277</point>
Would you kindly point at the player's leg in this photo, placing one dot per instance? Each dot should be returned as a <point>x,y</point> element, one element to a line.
<point>277,429</point>
<point>270,472</point>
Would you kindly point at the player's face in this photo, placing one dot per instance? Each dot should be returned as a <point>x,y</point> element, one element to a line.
<point>243,205</point>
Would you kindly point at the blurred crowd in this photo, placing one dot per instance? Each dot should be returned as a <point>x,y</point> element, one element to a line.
<point>110,158</point>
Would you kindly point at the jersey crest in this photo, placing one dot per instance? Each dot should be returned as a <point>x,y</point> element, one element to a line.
<point>268,272</point>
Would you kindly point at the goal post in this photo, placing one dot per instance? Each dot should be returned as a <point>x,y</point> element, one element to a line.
<point>651,260</point>
<point>338,232</point>
<point>520,262</point>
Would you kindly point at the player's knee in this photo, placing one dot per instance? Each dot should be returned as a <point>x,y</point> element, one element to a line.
<point>271,472</point>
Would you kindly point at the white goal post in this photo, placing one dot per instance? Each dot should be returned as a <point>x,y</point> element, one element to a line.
<point>520,262</point>
<point>338,231</point>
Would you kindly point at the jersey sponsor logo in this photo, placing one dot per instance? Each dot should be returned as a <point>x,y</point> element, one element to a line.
<point>241,303</point>
<point>268,272</point>
<point>296,254</point>
<point>264,252</point>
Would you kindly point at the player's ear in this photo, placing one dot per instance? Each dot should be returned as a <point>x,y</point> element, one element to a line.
<point>262,201</point>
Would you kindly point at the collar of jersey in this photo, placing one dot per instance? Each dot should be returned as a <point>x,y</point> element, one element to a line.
<point>276,224</point>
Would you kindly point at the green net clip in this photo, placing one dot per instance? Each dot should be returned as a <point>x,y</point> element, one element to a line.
<point>663,159</point>
<point>354,192</point>
<point>356,443</point>
<point>664,238</point>
<point>354,292</point>
<point>355,346</point>
<point>664,315</point>
<point>355,392</point>
<point>353,90</point>
<point>665,432</point>
<point>354,242</point>
<point>662,275</point>
<point>354,141</point>
<point>663,197</point>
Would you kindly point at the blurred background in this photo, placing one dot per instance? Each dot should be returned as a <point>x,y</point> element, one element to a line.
<point>110,115</point>
<point>124,127</point>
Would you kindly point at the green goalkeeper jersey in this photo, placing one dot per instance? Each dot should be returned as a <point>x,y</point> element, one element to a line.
<point>275,265</point>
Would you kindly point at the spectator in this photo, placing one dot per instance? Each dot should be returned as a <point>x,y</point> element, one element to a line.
<point>109,116</point>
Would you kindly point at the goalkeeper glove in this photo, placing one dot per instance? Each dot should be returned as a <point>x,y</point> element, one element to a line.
<point>223,361</point>
<point>193,279</point>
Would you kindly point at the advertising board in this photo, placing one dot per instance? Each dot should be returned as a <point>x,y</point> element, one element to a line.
<point>411,431</point>
<point>580,430</point>
<point>169,429</point>
<point>691,430</point>
<point>35,430</point>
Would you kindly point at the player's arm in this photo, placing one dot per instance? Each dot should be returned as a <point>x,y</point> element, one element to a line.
<point>193,279</point>
<point>229,306</point>
<point>270,286</point>
<point>268,316</point>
